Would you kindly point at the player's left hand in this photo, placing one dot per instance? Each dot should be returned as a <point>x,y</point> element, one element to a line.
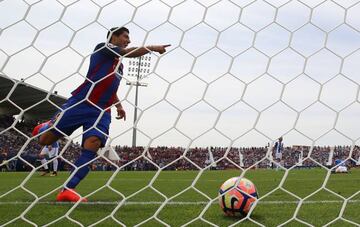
<point>121,114</point>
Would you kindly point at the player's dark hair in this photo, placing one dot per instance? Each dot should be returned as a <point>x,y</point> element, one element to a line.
<point>116,31</point>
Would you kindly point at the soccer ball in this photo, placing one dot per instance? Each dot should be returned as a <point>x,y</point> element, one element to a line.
<point>234,200</point>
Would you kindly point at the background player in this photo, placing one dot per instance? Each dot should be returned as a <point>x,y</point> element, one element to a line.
<point>92,100</point>
<point>50,151</point>
<point>341,166</point>
<point>278,149</point>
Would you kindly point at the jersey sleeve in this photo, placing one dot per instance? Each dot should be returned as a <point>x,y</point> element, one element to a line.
<point>109,50</point>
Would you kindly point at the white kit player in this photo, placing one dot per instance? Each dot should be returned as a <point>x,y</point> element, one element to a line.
<point>278,149</point>
<point>341,166</point>
<point>51,152</point>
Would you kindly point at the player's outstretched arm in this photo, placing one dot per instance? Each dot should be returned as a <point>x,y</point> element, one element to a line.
<point>134,52</point>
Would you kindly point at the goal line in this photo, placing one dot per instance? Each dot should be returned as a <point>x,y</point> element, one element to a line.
<point>173,203</point>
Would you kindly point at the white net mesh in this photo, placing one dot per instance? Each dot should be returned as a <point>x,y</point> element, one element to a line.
<point>239,74</point>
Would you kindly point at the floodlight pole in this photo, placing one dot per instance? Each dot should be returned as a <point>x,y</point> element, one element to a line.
<point>136,84</point>
<point>136,104</point>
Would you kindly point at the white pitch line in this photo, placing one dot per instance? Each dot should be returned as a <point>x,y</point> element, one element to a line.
<point>170,203</point>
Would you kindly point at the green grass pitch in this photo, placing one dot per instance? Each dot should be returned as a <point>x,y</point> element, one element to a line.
<point>274,209</point>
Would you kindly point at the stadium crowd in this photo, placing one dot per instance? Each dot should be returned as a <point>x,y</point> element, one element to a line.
<point>17,153</point>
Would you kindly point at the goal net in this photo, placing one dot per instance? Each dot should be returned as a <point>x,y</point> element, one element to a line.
<point>266,90</point>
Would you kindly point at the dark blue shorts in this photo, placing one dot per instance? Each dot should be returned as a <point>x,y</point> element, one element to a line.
<point>85,115</point>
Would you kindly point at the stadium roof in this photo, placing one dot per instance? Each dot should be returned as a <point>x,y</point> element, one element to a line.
<point>25,96</point>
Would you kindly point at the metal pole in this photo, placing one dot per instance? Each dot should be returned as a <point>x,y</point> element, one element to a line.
<point>136,104</point>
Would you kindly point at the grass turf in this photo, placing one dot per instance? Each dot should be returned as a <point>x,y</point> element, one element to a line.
<point>276,208</point>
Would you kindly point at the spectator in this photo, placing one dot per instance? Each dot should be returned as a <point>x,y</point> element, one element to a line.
<point>168,158</point>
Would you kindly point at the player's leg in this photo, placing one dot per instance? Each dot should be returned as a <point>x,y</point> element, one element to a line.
<point>88,153</point>
<point>46,167</point>
<point>43,161</point>
<point>55,162</point>
<point>92,141</point>
<point>90,147</point>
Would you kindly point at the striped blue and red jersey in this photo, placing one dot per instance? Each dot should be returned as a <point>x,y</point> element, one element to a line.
<point>103,63</point>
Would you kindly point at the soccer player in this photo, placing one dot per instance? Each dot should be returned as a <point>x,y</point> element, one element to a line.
<point>278,148</point>
<point>4,164</point>
<point>51,151</point>
<point>91,101</point>
<point>341,166</point>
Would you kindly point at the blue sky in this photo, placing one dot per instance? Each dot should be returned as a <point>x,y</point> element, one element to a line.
<point>238,72</point>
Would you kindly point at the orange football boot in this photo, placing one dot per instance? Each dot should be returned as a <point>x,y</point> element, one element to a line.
<point>69,195</point>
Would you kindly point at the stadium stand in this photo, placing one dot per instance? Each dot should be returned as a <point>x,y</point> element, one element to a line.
<point>11,142</point>
<point>15,94</point>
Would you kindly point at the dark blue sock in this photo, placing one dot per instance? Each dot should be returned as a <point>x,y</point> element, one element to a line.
<point>86,156</point>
